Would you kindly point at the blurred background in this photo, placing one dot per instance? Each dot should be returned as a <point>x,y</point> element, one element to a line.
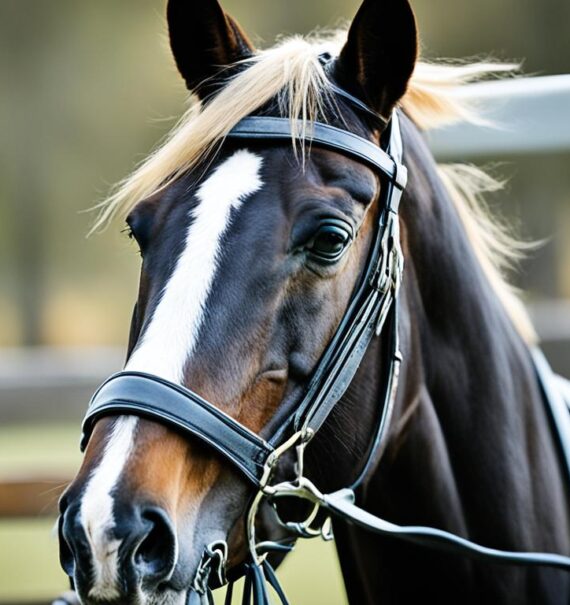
<point>87,89</point>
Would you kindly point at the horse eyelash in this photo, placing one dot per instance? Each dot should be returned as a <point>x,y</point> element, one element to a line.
<point>128,232</point>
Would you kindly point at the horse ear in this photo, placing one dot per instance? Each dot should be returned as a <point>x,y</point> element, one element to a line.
<point>380,54</point>
<point>204,41</point>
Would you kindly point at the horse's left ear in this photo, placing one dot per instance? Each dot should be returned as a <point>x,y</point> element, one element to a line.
<point>204,40</point>
<point>380,54</point>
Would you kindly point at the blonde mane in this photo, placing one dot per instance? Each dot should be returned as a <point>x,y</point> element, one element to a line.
<point>292,73</point>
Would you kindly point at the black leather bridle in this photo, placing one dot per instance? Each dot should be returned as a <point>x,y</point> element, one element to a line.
<point>373,307</point>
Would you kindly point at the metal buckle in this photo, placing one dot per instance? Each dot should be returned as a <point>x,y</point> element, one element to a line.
<point>213,562</point>
<point>254,506</point>
<point>389,273</point>
<point>303,488</point>
<point>388,277</point>
<point>300,487</point>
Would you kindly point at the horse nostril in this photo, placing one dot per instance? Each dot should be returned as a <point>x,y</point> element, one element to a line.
<point>155,556</point>
<point>74,548</point>
<point>63,503</point>
<point>66,556</point>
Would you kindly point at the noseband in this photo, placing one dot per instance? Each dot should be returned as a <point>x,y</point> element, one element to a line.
<point>373,307</point>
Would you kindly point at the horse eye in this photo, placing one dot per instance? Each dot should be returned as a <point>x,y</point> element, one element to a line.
<point>329,243</point>
<point>139,228</point>
<point>130,233</point>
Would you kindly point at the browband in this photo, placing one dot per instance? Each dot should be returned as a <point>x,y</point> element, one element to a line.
<point>326,136</point>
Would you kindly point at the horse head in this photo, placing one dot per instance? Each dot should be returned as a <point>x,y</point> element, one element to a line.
<point>250,254</point>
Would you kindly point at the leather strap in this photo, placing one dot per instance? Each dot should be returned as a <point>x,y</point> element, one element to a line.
<point>391,377</point>
<point>341,504</point>
<point>153,397</point>
<point>326,136</point>
<point>332,384</point>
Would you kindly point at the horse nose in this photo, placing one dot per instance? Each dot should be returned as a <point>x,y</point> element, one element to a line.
<point>139,550</point>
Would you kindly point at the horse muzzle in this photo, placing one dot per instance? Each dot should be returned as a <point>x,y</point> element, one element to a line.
<point>119,564</point>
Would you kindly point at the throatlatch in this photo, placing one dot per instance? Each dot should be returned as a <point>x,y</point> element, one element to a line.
<point>373,306</point>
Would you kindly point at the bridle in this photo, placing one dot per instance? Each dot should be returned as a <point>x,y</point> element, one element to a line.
<point>372,310</point>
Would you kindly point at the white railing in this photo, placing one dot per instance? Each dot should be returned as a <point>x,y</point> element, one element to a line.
<point>529,115</point>
<point>526,116</point>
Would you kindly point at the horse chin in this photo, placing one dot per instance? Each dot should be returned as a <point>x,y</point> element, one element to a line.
<point>164,597</point>
<point>161,596</point>
<point>168,597</point>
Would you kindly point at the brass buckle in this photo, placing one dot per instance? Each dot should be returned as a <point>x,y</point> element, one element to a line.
<point>213,563</point>
<point>305,489</point>
<point>300,487</point>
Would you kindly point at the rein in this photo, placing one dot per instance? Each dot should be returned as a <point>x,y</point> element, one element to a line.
<point>374,306</point>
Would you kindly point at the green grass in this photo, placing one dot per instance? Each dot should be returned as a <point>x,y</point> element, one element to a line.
<point>29,564</point>
<point>29,567</point>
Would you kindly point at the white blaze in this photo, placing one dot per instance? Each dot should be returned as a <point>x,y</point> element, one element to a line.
<point>168,341</point>
<point>171,336</point>
<point>97,508</point>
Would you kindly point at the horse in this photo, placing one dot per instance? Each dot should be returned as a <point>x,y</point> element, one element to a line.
<point>252,250</point>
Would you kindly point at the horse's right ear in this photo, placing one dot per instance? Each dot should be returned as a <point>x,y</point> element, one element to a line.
<point>380,54</point>
<point>204,41</point>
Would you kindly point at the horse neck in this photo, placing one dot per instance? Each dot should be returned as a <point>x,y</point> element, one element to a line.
<point>470,448</point>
